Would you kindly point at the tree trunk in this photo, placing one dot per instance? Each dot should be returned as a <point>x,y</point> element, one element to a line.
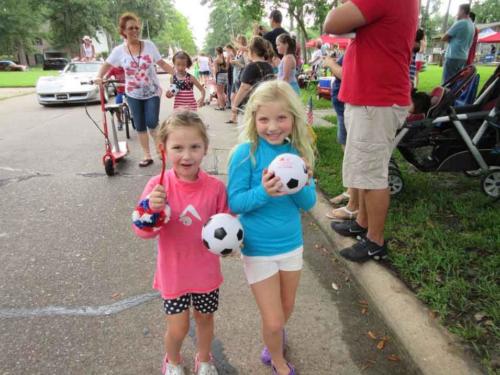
<point>445,22</point>
<point>21,54</point>
<point>425,18</point>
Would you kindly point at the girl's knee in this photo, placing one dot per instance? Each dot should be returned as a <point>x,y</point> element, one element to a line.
<point>178,331</point>
<point>203,319</point>
<point>274,325</point>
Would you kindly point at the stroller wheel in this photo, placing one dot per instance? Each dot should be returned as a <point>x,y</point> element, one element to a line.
<point>473,173</point>
<point>395,180</point>
<point>491,183</point>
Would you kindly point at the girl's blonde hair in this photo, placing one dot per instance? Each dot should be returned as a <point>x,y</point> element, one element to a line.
<point>182,119</point>
<point>272,91</point>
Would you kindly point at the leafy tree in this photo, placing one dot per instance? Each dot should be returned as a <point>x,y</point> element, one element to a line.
<point>71,19</point>
<point>20,26</point>
<point>176,34</point>
<point>226,21</point>
<point>487,11</point>
<point>153,14</point>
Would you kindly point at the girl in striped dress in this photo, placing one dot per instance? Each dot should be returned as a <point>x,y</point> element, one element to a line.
<point>181,84</point>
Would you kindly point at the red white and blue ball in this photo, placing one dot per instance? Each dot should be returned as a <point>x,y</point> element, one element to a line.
<point>222,234</point>
<point>146,219</point>
<point>291,170</point>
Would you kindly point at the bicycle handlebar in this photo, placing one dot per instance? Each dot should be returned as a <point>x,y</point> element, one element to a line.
<point>104,82</point>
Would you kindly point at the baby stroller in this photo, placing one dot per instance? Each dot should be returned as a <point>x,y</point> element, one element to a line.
<point>453,138</point>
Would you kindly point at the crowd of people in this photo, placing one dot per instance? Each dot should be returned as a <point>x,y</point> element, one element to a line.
<point>371,101</point>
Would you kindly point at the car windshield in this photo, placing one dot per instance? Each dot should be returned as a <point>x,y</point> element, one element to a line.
<point>83,68</point>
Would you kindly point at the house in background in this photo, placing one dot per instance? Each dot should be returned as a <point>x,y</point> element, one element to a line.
<point>43,49</point>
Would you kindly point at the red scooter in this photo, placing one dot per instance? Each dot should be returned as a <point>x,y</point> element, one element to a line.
<point>115,150</point>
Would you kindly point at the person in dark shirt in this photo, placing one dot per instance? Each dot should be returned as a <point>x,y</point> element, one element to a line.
<point>256,71</point>
<point>275,19</point>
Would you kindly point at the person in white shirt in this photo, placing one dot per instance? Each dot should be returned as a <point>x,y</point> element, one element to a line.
<point>87,50</point>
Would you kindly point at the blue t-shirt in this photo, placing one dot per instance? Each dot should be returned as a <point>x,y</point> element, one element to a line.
<point>461,35</point>
<point>339,106</point>
<point>272,224</point>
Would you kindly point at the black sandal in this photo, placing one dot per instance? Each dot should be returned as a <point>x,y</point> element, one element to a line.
<point>145,162</point>
<point>230,122</point>
<point>220,109</point>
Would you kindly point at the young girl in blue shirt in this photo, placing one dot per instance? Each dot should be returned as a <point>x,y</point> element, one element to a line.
<point>274,123</point>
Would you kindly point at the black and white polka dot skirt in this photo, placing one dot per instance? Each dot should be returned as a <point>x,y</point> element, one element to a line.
<point>205,303</point>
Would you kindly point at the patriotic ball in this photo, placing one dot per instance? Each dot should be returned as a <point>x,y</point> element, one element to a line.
<point>222,234</point>
<point>291,170</point>
<point>144,218</point>
<point>173,89</point>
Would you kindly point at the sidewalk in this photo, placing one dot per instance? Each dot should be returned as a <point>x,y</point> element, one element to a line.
<point>10,92</point>
<point>429,345</point>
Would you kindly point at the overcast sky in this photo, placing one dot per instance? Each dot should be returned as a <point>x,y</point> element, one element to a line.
<point>198,15</point>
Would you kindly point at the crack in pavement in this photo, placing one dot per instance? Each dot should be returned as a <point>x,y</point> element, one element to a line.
<point>28,176</point>
<point>114,308</point>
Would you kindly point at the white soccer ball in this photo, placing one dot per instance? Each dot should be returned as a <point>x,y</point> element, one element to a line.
<point>173,89</point>
<point>222,234</point>
<point>291,170</point>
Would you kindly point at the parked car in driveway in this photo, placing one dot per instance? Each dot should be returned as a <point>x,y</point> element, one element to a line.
<point>11,66</point>
<point>55,63</point>
<point>67,87</point>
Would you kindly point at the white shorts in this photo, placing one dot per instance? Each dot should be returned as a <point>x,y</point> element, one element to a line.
<point>261,267</point>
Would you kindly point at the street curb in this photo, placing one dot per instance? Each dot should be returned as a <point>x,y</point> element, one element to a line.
<point>430,346</point>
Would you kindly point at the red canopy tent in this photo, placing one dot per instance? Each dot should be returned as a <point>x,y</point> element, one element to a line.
<point>330,39</point>
<point>491,38</point>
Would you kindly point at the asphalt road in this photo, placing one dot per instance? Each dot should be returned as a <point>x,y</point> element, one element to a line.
<point>75,283</point>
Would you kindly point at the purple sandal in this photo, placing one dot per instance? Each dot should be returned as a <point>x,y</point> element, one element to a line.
<point>265,356</point>
<point>292,369</point>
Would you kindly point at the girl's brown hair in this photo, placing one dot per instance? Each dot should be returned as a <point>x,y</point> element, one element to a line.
<point>124,18</point>
<point>285,38</point>
<point>259,47</point>
<point>181,55</point>
<point>182,119</point>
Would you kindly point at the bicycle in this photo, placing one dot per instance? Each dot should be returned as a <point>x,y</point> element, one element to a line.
<point>122,111</point>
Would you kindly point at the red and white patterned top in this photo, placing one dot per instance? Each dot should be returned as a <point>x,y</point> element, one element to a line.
<point>185,97</point>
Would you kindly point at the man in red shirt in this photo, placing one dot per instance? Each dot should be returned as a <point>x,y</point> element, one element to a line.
<point>376,90</point>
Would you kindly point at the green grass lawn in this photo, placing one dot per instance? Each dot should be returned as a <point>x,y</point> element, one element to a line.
<point>432,76</point>
<point>444,244</point>
<point>24,79</point>
<point>427,81</point>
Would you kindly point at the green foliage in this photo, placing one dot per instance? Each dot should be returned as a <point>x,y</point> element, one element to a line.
<point>226,21</point>
<point>487,11</point>
<point>153,13</point>
<point>176,34</point>
<point>20,22</point>
<point>71,19</point>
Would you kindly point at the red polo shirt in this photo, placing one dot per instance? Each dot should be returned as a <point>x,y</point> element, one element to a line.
<point>376,64</point>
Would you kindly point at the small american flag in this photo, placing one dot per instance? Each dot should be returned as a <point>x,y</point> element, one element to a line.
<point>310,117</point>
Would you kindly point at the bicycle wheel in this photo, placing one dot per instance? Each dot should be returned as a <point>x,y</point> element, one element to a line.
<point>126,120</point>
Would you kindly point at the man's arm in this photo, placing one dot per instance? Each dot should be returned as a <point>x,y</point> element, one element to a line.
<point>344,19</point>
<point>445,38</point>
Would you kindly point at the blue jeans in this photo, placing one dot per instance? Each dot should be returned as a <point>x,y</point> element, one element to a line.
<point>145,112</point>
<point>341,130</point>
<point>452,67</point>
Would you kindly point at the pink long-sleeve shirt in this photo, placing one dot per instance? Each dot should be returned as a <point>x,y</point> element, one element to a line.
<point>183,264</point>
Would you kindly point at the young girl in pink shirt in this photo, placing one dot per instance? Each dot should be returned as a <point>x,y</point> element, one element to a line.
<point>186,272</point>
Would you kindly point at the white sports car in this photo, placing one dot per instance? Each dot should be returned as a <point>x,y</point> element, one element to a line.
<point>67,86</point>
